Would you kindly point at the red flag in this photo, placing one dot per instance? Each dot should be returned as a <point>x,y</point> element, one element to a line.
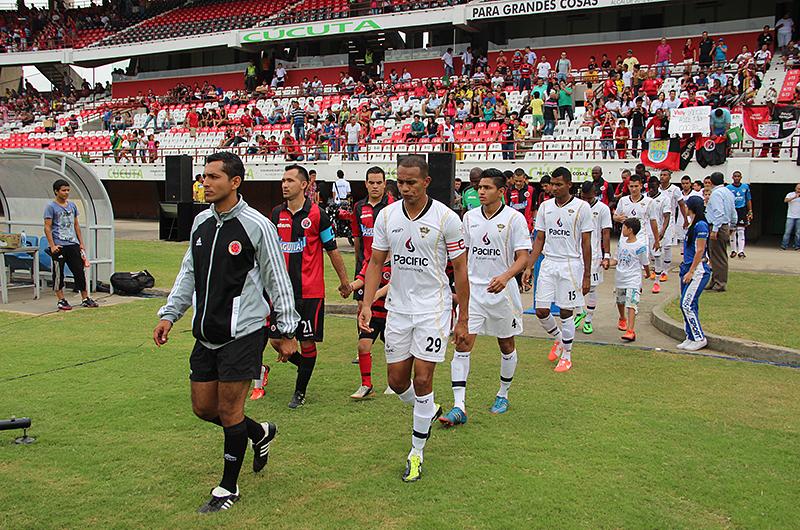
<point>711,150</point>
<point>662,154</point>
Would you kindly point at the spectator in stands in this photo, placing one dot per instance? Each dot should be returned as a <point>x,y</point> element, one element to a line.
<point>417,130</point>
<point>660,125</point>
<point>563,66</point>
<point>525,73</point>
<point>516,65</point>
<point>543,69</point>
<point>432,106</point>
<point>607,136</point>
<point>291,148</point>
<point>762,58</point>
<point>702,80</point>
<point>316,86</point>
<point>639,77</point>
<point>630,60</point>
<point>279,79</point>
<point>651,85</point>
<point>537,113</point>
<point>621,137</point>
<point>765,37</point>
<point>152,148</point>
<point>784,28</point>
<point>610,85</point>
<point>550,111</point>
<point>488,111</point>
<point>466,61</point>
<point>689,55</point>
<point>704,50</point>
<point>720,53</point>
<point>298,118</point>
<point>250,76</point>
<point>431,129</point>
<point>507,138</point>
<point>152,113</point>
<point>719,75</point>
<point>663,58</point>
<point>565,104</point>
<point>448,135</point>
<point>672,102</point>
<point>168,122</point>
<point>447,60</point>
<point>353,138</point>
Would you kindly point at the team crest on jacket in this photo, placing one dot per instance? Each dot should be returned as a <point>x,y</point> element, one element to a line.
<point>234,248</point>
<point>500,227</point>
<point>423,231</point>
<point>306,223</point>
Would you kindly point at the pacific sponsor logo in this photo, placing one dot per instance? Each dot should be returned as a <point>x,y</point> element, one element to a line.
<point>486,240</point>
<point>412,261</point>
<point>410,245</point>
<point>559,231</point>
<point>293,247</point>
<point>483,251</point>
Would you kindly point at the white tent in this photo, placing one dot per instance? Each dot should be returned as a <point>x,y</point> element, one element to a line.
<point>26,186</point>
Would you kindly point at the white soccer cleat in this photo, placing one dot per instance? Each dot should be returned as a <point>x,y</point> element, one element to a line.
<point>682,345</point>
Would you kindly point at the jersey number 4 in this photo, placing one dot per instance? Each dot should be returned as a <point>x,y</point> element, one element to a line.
<point>434,345</point>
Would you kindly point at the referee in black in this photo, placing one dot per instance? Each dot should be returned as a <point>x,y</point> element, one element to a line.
<point>233,259</point>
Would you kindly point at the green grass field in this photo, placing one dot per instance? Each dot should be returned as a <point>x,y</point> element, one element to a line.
<point>751,308</point>
<point>628,438</point>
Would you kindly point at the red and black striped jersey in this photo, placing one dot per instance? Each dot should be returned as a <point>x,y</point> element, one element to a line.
<point>378,306</point>
<point>363,223</point>
<point>303,237</point>
<point>522,201</point>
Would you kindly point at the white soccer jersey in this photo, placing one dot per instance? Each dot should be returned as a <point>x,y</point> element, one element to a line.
<point>492,242</point>
<point>563,227</point>
<point>419,249</point>
<point>659,205</point>
<point>601,218</point>
<point>638,209</point>
<point>631,257</point>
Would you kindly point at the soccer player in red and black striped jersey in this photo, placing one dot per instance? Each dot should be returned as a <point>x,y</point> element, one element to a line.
<point>305,231</point>
<point>521,196</point>
<point>378,323</point>
<point>365,212</point>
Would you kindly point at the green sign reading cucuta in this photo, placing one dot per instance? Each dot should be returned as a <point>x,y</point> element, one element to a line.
<point>310,30</point>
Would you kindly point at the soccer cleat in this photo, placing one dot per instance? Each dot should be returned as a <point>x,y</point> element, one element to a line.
<point>587,328</point>
<point>695,345</point>
<point>563,365</point>
<point>221,499</point>
<point>362,392</point>
<point>388,391</point>
<point>629,336</point>
<point>500,405</point>
<point>354,361</point>
<point>261,449</point>
<point>683,344</point>
<point>63,305</point>
<point>298,400</point>
<point>438,413</point>
<point>652,275</point>
<point>733,254</point>
<point>555,352</point>
<point>579,318</point>
<point>413,470</point>
<point>741,255</point>
<point>257,393</point>
<point>663,277</point>
<point>88,302</point>
<point>622,324</point>
<point>656,288</point>
<point>456,416</point>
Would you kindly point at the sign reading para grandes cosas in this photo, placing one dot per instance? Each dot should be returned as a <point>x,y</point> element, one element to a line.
<point>532,7</point>
<point>310,30</point>
<point>690,120</point>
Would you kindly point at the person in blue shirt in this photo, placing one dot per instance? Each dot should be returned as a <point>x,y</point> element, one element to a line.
<point>743,201</point>
<point>695,274</point>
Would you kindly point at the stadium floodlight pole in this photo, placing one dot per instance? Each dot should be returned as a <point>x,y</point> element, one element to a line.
<point>18,423</point>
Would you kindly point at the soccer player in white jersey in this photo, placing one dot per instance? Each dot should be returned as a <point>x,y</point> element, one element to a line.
<point>498,245</point>
<point>638,205</point>
<point>601,252</point>
<point>418,235</point>
<point>672,194</point>
<point>659,211</point>
<point>564,234</point>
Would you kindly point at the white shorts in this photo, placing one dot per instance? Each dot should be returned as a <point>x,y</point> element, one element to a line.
<point>422,336</point>
<point>597,273</point>
<point>560,282</point>
<point>495,315</point>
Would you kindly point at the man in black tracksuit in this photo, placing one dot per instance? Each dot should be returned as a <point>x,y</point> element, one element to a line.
<point>234,258</point>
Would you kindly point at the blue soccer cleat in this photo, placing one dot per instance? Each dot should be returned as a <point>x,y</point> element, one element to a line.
<point>456,416</point>
<point>500,405</point>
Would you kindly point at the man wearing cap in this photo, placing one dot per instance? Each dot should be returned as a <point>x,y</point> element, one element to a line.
<point>630,60</point>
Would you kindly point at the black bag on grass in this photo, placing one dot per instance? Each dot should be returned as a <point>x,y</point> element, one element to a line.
<point>132,283</point>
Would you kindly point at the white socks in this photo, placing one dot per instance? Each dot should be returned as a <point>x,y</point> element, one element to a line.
<point>508,364</point>
<point>591,304</point>
<point>407,397</point>
<point>259,383</point>
<point>459,371</point>
<point>551,327</point>
<point>567,336</point>
<point>424,409</point>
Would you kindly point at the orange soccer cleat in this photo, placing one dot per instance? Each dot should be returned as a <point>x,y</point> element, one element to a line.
<point>622,325</point>
<point>257,393</point>
<point>652,275</point>
<point>555,352</point>
<point>629,336</point>
<point>563,365</point>
<point>663,277</point>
